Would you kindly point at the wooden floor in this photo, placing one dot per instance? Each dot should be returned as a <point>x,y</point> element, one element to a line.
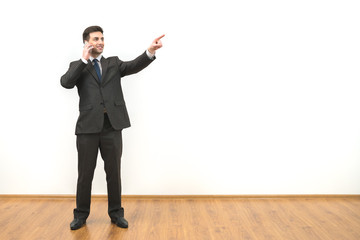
<point>187,218</point>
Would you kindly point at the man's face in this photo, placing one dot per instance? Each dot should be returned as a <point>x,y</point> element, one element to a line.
<point>97,40</point>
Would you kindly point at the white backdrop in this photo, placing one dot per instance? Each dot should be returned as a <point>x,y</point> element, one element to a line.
<point>246,97</point>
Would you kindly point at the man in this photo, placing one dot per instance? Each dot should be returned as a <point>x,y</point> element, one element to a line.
<point>102,117</point>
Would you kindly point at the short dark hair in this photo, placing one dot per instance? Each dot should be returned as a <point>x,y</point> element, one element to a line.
<point>87,31</point>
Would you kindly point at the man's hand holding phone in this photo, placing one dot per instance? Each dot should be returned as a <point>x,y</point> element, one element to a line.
<point>87,50</point>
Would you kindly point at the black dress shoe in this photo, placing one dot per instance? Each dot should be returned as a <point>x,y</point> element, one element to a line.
<point>120,222</point>
<point>77,223</point>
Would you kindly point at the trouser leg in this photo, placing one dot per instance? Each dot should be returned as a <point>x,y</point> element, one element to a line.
<point>87,146</point>
<point>111,150</point>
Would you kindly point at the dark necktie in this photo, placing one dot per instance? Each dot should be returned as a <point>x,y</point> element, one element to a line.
<point>97,68</point>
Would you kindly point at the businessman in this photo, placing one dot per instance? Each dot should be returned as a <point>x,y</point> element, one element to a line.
<point>102,116</point>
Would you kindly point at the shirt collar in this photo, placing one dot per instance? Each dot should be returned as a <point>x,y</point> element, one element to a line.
<point>98,58</point>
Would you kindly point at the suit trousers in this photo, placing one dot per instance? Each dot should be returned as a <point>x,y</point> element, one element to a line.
<point>109,142</point>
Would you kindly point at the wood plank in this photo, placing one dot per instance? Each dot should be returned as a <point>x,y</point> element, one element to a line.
<point>186,218</point>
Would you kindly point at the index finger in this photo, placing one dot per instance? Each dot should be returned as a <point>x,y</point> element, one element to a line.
<point>157,39</point>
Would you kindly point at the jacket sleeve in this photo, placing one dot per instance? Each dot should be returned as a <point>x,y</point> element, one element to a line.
<point>134,66</point>
<point>70,78</point>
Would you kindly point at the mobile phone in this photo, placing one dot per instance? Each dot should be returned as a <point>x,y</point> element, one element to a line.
<point>86,42</point>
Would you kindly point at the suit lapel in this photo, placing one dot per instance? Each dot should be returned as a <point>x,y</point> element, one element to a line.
<point>104,66</point>
<point>91,69</point>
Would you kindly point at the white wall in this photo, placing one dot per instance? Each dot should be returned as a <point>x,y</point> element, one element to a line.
<point>246,97</point>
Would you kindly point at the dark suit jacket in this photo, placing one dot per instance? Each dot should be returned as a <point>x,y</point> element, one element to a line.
<point>95,97</point>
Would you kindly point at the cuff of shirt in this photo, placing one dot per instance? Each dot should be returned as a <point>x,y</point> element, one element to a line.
<point>150,55</point>
<point>83,59</point>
